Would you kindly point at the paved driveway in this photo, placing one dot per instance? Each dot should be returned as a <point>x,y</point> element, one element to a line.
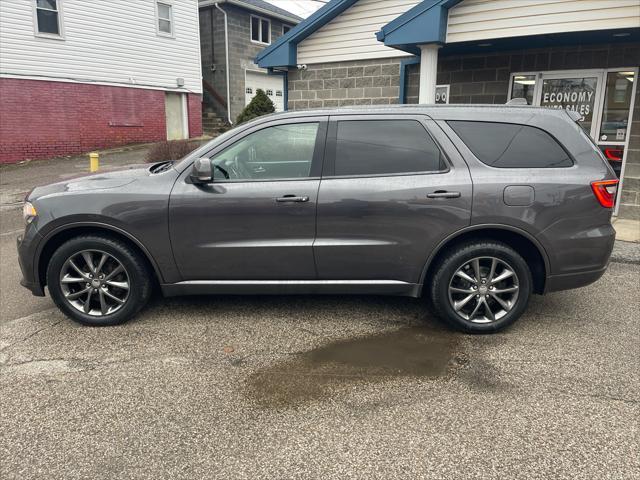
<point>320,387</point>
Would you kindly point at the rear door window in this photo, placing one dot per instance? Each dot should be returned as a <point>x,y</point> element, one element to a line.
<point>383,147</point>
<point>508,145</point>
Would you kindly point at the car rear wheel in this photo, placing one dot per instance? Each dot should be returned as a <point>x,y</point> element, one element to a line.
<point>481,287</point>
<point>98,281</point>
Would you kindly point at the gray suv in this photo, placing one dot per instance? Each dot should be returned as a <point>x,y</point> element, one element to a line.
<point>473,207</point>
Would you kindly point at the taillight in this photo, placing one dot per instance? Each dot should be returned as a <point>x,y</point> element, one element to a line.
<point>605,192</point>
<point>614,154</point>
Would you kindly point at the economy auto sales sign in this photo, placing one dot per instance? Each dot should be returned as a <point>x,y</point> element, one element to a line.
<point>577,94</point>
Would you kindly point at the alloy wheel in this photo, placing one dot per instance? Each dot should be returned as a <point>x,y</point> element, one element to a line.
<point>94,282</point>
<point>483,290</point>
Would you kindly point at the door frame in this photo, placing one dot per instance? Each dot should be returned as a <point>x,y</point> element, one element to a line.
<point>184,114</point>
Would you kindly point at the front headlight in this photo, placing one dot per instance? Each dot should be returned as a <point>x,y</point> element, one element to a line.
<point>28,212</point>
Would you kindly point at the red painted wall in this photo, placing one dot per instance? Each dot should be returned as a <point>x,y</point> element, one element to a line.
<point>42,119</point>
<point>194,106</point>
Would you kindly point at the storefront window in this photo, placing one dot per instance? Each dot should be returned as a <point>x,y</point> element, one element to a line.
<point>578,94</point>
<point>617,103</point>
<point>523,87</point>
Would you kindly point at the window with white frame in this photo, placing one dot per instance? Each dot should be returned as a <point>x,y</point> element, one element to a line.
<point>164,13</point>
<point>48,17</point>
<point>260,30</point>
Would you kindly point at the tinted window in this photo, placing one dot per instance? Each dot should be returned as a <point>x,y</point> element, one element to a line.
<point>506,145</point>
<point>281,151</point>
<point>374,147</point>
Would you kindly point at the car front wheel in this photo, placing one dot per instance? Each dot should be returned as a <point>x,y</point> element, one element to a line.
<point>98,281</point>
<point>481,287</point>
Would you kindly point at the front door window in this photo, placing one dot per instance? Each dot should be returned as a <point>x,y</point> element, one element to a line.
<point>277,152</point>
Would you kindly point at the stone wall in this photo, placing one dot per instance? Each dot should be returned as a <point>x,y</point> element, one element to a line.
<point>365,82</point>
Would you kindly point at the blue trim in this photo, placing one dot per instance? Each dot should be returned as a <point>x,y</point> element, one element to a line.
<point>284,51</point>
<point>403,76</point>
<point>423,24</point>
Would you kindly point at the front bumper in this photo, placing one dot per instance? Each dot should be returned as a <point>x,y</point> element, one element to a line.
<point>26,245</point>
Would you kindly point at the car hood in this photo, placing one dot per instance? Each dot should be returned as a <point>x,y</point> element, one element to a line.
<point>99,181</point>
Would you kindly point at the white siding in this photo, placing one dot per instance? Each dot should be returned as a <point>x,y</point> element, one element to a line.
<point>485,19</point>
<point>352,35</point>
<point>112,42</point>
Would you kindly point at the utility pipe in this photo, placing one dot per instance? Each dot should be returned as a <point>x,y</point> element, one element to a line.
<point>226,54</point>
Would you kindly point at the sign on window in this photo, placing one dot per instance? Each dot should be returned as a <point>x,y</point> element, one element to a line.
<point>577,94</point>
<point>442,93</point>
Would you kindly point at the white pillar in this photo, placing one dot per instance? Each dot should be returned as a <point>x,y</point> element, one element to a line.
<point>428,73</point>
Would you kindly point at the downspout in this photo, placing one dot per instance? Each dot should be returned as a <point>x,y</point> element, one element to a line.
<point>226,51</point>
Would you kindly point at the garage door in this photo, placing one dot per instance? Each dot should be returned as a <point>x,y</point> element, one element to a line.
<point>272,85</point>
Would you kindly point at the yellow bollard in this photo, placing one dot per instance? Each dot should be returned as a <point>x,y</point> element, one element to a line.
<point>94,161</point>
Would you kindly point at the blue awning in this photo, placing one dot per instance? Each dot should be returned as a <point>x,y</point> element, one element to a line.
<point>423,24</point>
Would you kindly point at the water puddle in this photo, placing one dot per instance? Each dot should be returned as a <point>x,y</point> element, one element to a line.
<point>407,352</point>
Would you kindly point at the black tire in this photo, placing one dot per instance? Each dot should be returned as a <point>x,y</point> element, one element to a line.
<point>454,260</point>
<point>138,276</point>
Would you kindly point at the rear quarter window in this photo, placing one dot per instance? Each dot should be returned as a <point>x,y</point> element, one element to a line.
<point>509,145</point>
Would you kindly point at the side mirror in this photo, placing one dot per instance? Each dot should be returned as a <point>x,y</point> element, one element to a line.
<point>201,172</point>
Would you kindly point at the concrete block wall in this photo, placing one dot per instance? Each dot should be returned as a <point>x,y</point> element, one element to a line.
<point>338,84</point>
<point>630,195</point>
<point>242,52</point>
<point>484,78</point>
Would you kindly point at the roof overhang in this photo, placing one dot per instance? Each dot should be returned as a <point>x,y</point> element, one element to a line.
<point>254,8</point>
<point>284,51</point>
<point>548,40</point>
<point>426,23</point>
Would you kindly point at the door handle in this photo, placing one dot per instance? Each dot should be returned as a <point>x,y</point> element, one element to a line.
<point>292,198</point>
<point>443,194</point>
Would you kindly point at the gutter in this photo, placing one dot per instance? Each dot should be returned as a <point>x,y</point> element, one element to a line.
<point>226,50</point>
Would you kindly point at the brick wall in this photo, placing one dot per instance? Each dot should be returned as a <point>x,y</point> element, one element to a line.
<point>365,82</point>
<point>242,52</point>
<point>194,107</point>
<point>41,119</point>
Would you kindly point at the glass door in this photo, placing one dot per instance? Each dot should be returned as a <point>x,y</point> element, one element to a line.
<point>577,90</point>
<point>615,121</point>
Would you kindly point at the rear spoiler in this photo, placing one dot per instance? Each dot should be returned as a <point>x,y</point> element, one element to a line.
<point>518,101</point>
<point>575,116</point>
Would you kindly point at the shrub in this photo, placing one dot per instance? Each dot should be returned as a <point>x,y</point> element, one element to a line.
<point>259,105</point>
<point>171,150</point>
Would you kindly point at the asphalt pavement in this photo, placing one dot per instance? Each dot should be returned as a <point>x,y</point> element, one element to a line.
<point>315,387</point>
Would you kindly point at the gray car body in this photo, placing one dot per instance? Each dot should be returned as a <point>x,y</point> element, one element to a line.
<point>363,234</point>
